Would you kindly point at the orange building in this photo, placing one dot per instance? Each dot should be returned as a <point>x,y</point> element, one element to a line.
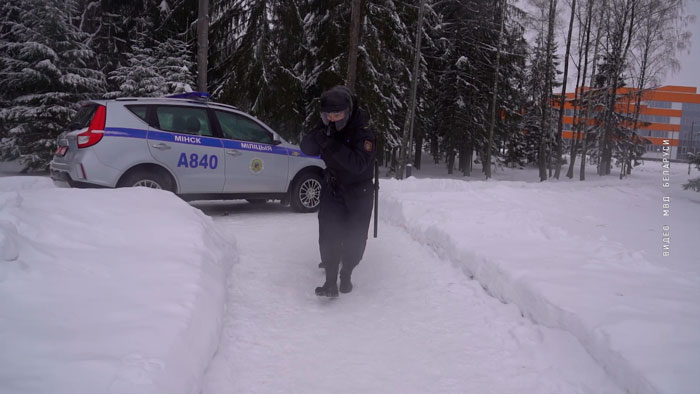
<point>669,116</point>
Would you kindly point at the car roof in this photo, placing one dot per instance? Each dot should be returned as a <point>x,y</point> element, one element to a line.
<point>171,100</point>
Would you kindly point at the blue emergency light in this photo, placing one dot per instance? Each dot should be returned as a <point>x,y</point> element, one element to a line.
<point>192,96</point>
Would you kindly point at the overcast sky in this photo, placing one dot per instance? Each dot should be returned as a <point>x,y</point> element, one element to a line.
<point>689,74</point>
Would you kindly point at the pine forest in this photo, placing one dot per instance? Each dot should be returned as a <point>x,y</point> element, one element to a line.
<point>490,77</point>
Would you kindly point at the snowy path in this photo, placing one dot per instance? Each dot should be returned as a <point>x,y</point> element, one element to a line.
<point>413,323</point>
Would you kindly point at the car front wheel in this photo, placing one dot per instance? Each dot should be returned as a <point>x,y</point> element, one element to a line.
<point>306,194</point>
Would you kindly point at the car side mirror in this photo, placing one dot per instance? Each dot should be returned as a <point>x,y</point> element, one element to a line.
<point>276,142</point>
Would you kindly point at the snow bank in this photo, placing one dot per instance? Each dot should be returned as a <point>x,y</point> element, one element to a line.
<point>106,291</point>
<point>583,257</point>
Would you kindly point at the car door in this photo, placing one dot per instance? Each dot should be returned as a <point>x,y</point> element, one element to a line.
<point>254,162</point>
<point>181,139</point>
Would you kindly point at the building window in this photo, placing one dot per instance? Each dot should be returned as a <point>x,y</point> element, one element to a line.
<point>659,104</point>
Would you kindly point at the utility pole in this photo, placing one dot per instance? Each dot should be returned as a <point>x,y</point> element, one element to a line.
<point>408,126</point>
<point>202,44</point>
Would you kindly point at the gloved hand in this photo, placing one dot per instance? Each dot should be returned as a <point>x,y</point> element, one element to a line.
<point>327,143</point>
<point>321,139</point>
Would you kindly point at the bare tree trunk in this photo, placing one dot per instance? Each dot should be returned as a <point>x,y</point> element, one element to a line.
<point>450,161</point>
<point>470,158</point>
<point>434,148</point>
<point>202,44</point>
<point>620,56</point>
<point>655,21</point>
<point>354,44</point>
<point>418,152</point>
<point>495,91</point>
<point>408,126</point>
<point>547,92</point>
<point>562,100</point>
<point>577,122</point>
<point>582,173</point>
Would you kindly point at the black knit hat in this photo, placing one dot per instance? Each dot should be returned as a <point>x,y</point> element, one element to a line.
<point>336,99</point>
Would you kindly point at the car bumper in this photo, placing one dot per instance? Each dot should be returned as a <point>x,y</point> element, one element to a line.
<point>63,179</point>
<point>82,168</point>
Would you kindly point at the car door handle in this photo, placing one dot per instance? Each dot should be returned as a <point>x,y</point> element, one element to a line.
<point>161,146</point>
<point>234,152</point>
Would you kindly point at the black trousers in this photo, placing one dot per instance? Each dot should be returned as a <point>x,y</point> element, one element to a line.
<point>343,221</point>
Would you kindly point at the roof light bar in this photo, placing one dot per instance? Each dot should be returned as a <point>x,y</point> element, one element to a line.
<point>192,96</point>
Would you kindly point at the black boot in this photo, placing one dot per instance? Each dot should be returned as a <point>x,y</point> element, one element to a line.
<point>345,283</point>
<point>327,290</point>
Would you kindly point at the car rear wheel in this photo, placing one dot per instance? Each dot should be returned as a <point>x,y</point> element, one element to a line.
<point>147,178</point>
<point>306,194</point>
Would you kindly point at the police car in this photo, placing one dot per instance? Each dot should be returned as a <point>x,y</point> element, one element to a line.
<point>188,145</point>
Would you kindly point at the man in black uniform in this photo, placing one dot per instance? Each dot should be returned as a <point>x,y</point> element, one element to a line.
<point>347,146</point>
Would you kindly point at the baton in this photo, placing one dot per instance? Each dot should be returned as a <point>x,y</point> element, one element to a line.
<point>376,195</point>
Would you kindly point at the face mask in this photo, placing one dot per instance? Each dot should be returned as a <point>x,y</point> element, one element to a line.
<point>340,123</point>
<point>331,128</point>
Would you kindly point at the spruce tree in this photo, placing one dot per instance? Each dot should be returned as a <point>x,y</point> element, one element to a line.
<point>174,64</point>
<point>139,77</point>
<point>694,183</point>
<point>274,59</point>
<point>45,71</point>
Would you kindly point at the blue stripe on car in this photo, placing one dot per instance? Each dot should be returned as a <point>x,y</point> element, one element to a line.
<point>184,138</point>
<point>124,132</point>
<point>203,141</point>
<point>255,147</point>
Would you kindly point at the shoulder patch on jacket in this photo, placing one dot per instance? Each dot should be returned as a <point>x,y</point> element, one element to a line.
<point>368,145</point>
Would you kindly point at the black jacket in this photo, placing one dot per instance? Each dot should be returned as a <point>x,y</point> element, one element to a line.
<point>349,153</point>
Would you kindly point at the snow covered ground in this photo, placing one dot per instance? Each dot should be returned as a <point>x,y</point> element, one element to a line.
<point>412,324</point>
<point>490,287</point>
<point>585,257</point>
<point>106,291</point>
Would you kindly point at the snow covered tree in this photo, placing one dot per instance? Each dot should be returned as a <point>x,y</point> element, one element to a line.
<point>174,63</point>
<point>537,119</point>
<point>115,27</point>
<point>153,70</point>
<point>585,18</point>
<point>275,58</point>
<point>257,60</point>
<point>384,67</point>
<point>461,63</point>
<point>45,70</point>
<point>139,77</point>
<point>562,96</point>
<point>512,91</point>
<point>620,18</point>
<point>695,182</point>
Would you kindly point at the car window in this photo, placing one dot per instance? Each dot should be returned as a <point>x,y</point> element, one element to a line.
<point>238,127</point>
<point>83,117</point>
<point>185,120</point>
<point>138,110</point>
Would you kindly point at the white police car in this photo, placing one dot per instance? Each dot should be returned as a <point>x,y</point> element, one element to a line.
<point>188,145</point>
